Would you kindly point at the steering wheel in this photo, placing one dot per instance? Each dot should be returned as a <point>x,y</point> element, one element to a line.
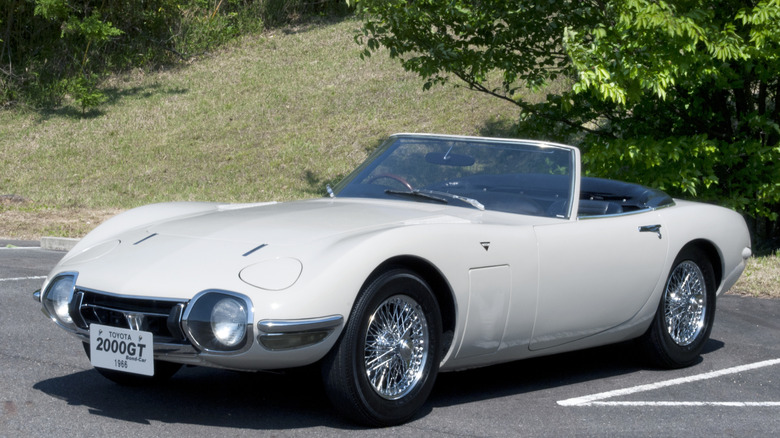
<point>400,179</point>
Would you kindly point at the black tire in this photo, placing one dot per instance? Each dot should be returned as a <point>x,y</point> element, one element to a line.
<point>407,360</point>
<point>162,372</point>
<point>683,321</point>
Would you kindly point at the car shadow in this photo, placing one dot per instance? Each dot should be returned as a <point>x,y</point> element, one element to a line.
<point>294,400</point>
<point>205,396</point>
<point>545,373</point>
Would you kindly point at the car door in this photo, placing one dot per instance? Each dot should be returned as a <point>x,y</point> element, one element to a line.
<point>595,273</point>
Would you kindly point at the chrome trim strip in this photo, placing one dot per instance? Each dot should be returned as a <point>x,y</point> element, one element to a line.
<point>270,326</point>
<point>627,213</point>
<point>160,348</point>
<point>133,297</point>
<point>123,311</point>
<point>77,306</point>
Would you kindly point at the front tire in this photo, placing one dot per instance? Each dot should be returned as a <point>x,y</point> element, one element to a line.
<point>683,321</point>
<point>384,366</point>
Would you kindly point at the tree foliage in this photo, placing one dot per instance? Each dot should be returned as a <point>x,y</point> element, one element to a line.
<point>696,93</point>
<point>53,48</point>
<point>680,94</point>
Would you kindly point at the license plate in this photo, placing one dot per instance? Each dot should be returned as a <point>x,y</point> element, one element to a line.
<point>121,349</point>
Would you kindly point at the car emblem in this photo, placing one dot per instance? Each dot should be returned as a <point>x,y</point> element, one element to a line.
<point>485,245</point>
<point>135,320</point>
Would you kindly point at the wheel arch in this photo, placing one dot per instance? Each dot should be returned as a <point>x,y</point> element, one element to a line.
<point>438,284</point>
<point>713,255</point>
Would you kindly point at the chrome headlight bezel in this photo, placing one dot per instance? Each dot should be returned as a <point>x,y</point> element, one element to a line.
<point>201,323</point>
<point>57,299</point>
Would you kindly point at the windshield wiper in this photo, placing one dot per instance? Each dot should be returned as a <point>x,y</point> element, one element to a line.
<point>437,197</point>
<point>471,201</point>
<point>417,194</point>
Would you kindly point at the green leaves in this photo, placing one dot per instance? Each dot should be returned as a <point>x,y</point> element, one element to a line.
<point>655,45</point>
<point>679,94</point>
<point>741,175</point>
<point>498,47</point>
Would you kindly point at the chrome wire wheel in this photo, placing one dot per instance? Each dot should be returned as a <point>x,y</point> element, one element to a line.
<point>685,303</point>
<point>396,347</point>
<point>384,366</point>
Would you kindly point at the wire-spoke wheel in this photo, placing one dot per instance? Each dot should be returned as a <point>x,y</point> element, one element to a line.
<point>385,364</point>
<point>685,303</point>
<point>684,318</point>
<point>396,347</point>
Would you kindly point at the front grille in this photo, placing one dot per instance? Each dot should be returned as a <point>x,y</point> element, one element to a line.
<point>160,317</point>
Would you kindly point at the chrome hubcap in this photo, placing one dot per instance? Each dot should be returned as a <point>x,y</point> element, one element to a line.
<point>685,303</point>
<point>396,348</point>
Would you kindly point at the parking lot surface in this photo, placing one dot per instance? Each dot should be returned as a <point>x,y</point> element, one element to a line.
<point>48,388</point>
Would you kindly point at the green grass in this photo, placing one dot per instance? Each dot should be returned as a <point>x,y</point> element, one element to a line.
<point>275,116</point>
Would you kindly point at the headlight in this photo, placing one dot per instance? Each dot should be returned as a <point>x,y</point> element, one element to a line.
<point>219,321</point>
<point>228,321</point>
<point>57,296</point>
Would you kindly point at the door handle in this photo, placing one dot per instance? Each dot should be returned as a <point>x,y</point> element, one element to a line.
<point>651,229</point>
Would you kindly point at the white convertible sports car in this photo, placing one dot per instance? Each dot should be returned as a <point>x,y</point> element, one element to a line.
<point>438,253</point>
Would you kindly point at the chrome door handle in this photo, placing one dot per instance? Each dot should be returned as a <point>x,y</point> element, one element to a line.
<point>651,229</point>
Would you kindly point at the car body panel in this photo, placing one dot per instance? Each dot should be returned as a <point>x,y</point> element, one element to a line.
<point>577,300</point>
<point>510,285</point>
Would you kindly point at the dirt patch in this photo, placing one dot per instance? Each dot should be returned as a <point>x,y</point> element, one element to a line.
<point>761,278</point>
<point>11,200</point>
<point>32,225</point>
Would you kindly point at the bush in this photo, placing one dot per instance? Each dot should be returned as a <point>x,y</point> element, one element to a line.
<point>53,48</point>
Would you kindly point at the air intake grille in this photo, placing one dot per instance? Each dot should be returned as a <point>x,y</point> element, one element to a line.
<point>161,317</point>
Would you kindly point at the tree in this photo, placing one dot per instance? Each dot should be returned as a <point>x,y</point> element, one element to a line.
<point>499,47</point>
<point>696,92</point>
<point>680,94</point>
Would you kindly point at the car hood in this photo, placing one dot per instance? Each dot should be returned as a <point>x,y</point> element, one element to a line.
<point>178,256</point>
<point>298,222</point>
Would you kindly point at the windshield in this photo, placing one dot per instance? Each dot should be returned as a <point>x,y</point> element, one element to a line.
<point>502,175</point>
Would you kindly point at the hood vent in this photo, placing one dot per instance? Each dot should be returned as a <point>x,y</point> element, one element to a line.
<point>254,249</point>
<point>145,238</point>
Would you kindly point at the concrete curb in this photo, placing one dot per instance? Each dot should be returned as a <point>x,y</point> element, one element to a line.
<point>58,243</point>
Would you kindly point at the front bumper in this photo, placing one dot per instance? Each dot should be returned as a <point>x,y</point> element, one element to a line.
<point>270,344</point>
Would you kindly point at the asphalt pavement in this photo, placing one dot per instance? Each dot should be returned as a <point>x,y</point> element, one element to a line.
<point>48,388</point>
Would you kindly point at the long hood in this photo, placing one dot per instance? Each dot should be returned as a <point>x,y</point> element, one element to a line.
<point>178,257</point>
<point>298,222</point>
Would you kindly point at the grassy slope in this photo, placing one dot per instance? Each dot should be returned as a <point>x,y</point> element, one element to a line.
<point>275,117</point>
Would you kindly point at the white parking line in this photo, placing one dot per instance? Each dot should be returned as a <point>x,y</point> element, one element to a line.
<point>683,403</point>
<point>19,247</point>
<point>23,278</point>
<point>596,399</point>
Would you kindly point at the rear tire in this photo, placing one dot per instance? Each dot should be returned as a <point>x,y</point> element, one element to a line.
<point>383,368</point>
<point>683,321</point>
